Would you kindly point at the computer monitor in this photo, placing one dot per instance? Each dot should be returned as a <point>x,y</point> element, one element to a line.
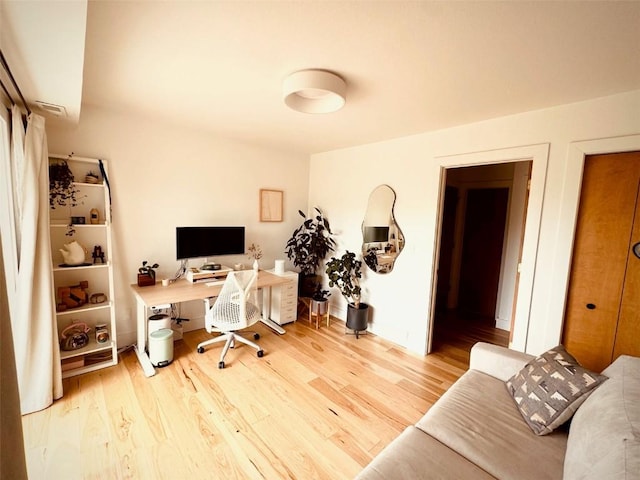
<point>376,234</point>
<point>212,241</point>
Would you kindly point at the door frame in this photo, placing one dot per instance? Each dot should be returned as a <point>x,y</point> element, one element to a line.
<point>568,216</point>
<point>539,156</point>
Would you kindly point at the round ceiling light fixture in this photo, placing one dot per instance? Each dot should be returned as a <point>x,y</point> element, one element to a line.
<point>314,91</point>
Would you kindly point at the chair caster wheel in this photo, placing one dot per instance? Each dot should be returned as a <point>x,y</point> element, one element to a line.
<point>256,336</point>
<point>220,364</point>
<point>260,353</point>
<point>200,349</point>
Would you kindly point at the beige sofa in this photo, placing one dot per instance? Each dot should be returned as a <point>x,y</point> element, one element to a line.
<point>475,431</point>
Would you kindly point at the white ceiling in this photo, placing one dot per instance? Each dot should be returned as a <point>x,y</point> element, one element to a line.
<point>410,67</point>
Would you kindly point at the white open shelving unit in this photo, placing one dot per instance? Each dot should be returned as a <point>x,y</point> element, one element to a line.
<point>99,276</point>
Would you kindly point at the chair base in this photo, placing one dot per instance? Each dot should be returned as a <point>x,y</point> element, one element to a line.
<point>230,338</point>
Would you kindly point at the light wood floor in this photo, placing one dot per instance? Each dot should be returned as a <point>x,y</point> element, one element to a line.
<point>319,404</point>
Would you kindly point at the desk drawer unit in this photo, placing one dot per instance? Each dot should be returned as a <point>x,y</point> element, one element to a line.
<point>284,300</point>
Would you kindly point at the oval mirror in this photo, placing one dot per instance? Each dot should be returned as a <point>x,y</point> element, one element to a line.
<point>382,239</point>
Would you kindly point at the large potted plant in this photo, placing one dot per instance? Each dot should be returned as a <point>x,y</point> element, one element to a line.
<point>307,248</point>
<point>345,273</point>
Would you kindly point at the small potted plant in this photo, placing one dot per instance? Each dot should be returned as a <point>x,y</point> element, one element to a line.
<point>308,246</point>
<point>255,252</point>
<point>320,300</point>
<point>147,274</point>
<point>345,274</point>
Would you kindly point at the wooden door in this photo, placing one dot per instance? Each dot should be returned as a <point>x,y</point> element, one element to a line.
<point>628,332</point>
<point>601,255</point>
<point>485,220</point>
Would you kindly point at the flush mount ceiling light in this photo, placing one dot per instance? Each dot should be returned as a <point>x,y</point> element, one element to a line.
<point>314,91</point>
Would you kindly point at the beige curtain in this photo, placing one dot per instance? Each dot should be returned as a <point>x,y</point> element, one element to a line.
<point>34,327</point>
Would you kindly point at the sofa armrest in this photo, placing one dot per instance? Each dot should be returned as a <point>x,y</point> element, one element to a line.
<point>499,362</point>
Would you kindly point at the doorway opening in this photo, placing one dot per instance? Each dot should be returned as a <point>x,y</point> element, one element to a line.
<point>481,237</point>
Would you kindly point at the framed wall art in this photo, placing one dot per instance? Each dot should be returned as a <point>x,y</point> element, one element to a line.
<point>271,205</point>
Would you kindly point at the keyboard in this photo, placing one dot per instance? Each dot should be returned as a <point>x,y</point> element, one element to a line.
<point>213,284</point>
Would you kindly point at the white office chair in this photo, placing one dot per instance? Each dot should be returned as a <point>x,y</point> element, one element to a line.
<point>236,308</point>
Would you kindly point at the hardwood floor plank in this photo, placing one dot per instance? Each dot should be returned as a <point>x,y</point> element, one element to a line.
<point>319,404</point>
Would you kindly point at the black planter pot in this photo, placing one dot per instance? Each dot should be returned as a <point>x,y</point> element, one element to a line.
<point>358,318</point>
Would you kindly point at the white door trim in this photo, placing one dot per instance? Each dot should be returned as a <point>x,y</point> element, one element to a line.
<point>539,156</point>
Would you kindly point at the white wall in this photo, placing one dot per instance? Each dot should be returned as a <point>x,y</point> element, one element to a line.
<point>340,183</point>
<point>163,177</point>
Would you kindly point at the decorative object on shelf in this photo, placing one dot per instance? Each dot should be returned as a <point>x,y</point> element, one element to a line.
<point>91,177</point>
<point>97,254</point>
<point>78,220</point>
<point>73,296</point>
<point>75,336</point>
<point>94,216</point>
<point>102,333</point>
<point>73,253</point>
<point>97,298</point>
<point>345,274</point>
<point>254,251</point>
<point>308,246</point>
<point>147,274</point>
<point>62,190</point>
<point>271,205</point>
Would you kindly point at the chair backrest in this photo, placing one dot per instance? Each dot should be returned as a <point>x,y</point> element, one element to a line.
<point>237,304</point>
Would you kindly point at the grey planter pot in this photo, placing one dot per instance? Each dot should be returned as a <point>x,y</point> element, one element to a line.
<point>319,307</point>
<point>358,318</point>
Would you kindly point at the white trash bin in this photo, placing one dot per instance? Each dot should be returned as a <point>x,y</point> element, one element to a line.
<point>161,347</point>
<point>158,322</point>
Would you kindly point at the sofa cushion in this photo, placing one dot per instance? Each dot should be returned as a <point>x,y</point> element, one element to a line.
<point>477,418</point>
<point>497,361</point>
<point>604,440</point>
<point>416,455</point>
<point>550,388</point>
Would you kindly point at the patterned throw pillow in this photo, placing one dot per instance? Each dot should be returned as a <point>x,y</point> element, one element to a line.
<point>550,388</point>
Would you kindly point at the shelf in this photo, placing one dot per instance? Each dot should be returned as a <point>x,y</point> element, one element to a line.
<point>82,267</point>
<point>85,308</point>
<point>92,347</point>
<point>88,368</point>
<point>90,185</point>
<point>65,223</point>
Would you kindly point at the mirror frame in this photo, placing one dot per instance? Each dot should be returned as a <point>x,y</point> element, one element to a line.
<point>381,260</point>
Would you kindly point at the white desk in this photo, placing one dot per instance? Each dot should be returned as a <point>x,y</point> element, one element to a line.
<point>184,291</point>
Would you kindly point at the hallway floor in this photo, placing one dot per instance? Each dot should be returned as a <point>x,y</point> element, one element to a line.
<point>456,332</point>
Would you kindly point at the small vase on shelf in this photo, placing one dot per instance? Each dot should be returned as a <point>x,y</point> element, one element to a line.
<point>256,265</point>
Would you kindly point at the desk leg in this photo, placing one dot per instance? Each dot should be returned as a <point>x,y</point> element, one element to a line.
<point>266,312</point>
<point>140,348</point>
